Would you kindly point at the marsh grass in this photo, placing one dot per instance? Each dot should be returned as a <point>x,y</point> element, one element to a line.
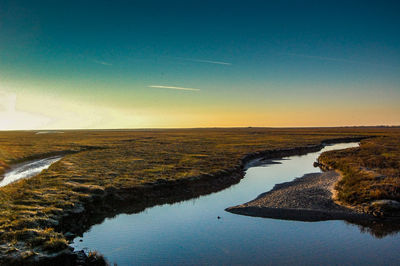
<point>96,259</point>
<point>115,160</point>
<point>370,172</point>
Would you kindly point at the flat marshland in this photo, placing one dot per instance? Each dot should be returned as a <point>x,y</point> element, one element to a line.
<point>370,173</point>
<point>101,167</point>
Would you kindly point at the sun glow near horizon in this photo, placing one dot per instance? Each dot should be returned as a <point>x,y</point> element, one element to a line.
<point>152,67</point>
<point>35,112</point>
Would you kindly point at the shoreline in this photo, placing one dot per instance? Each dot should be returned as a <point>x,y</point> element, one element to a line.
<point>22,167</point>
<point>102,204</point>
<point>313,198</point>
<point>307,198</point>
<point>5,167</point>
<point>136,199</point>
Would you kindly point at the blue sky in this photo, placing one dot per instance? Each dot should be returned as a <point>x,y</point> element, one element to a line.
<point>130,64</point>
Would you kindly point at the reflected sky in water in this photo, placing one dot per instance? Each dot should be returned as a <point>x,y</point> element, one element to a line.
<point>190,233</point>
<point>27,169</point>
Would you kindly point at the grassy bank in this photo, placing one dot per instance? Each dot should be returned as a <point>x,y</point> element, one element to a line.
<point>370,172</point>
<point>104,163</point>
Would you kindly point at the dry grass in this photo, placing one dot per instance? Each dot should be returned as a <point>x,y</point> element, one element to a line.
<point>370,172</point>
<point>126,159</point>
<point>96,259</point>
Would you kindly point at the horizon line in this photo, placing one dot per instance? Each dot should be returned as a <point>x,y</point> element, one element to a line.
<point>217,127</point>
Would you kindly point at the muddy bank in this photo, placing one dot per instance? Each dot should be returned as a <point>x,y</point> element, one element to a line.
<point>100,203</point>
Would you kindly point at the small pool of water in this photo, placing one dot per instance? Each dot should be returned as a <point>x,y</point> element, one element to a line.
<point>190,233</point>
<point>27,169</point>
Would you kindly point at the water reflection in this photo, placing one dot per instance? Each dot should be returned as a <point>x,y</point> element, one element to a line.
<point>378,229</point>
<point>189,232</point>
<point>27,169</point>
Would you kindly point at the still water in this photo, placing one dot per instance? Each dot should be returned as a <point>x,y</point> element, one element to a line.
<point>27,169</point>
<point>190,233</point>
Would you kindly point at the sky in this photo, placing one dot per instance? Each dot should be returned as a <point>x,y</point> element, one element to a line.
<point>159,64</point>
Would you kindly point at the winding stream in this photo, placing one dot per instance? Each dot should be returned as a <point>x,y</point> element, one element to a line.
<point>190,232</point>
<point>27,169</point>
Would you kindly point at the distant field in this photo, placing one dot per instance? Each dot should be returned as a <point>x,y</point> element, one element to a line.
<point>99,161</point>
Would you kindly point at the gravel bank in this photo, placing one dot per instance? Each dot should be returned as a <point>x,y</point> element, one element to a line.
<point>308,198</point>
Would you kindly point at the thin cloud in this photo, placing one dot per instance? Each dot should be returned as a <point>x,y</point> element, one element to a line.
<point>172,88</point>
<point>210,62</point>
<point>102,63</point>
<point>214,62</point>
